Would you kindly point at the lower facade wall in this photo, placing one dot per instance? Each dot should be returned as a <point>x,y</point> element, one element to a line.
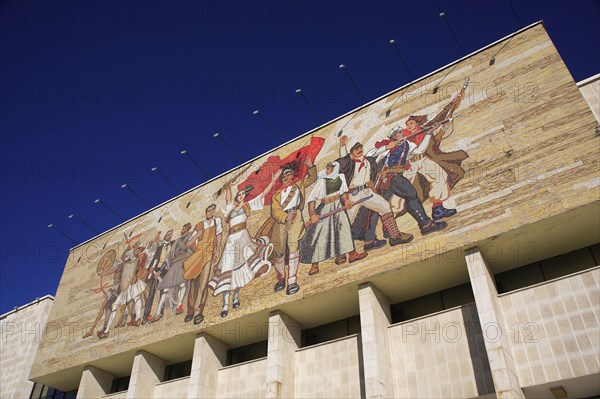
<point>555,336</point>
<point>172,389</point>
<point>116,395</point>
<point>21,335</point>
<point>440,356</point>
<point>246,380</point>
<point>329,370</point>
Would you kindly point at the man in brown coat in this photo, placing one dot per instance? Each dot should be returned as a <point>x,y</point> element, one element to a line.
<point>197,267</point>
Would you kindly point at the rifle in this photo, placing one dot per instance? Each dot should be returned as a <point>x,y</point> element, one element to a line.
<point>429,128</point>
<point>385,165</point>
<point>449,110</point>
<point>157,276</point>
<point>337,210</point>
<point>218,193</point>
<point>405,139</point>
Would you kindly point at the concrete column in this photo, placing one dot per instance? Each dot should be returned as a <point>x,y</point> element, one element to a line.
<point>284,340</point>
<point>94,383</point>
<point>210,354</point>
<point>375,317</point>
<point>497,344</point>
<point>147,371</point>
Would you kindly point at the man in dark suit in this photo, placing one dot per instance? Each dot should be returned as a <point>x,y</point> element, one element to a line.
<point>361,174</point>
<point>394,154</point>
<point>157,272</point>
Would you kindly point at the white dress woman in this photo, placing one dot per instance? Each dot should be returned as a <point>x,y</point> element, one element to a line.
<point>330,237</point>
<point>243,258</point>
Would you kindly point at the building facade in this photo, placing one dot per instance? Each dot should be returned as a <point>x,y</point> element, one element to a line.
<point>475,193</point>
<point>22,330</point>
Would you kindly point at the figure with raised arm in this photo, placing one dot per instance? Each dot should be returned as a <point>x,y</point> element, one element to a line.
<point>286,209</point>
<point>243,258</point>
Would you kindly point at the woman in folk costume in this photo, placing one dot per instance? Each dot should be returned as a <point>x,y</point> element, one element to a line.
<point>331,236</point>
<point>243,258</point>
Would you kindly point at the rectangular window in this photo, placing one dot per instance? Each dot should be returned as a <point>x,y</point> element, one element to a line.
<point>120,384</point>
<point>40,391</point>
<point>520,277</point>
<point>178,370</point>
<point>432,303</point>
<point>548,269</point>
<point>330,331</point>
<point>247,353</point>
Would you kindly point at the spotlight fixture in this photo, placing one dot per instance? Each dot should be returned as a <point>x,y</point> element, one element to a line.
<point>443,16</point>
<point>314,112</point>
<point>393,43</point>
<point>52,226</point>
<point>73,216</point>
<point>99,201</point>
<point>343,68</point>
<point>185,152</point>
<point>155,169</point>
<point>218,135</point>
<point>257,112</point>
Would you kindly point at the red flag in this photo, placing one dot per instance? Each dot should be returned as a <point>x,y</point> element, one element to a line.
<point>295,161</point>
<point>129,240</point>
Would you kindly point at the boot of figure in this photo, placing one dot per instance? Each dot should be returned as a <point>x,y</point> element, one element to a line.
<point>293,286</point>
<point>396,236</point>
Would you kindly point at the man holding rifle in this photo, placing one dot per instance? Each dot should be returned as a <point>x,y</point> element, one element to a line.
<point>432,171</point>
<point>393,155</point>
<point>420,162</point>
<point>360,172</point>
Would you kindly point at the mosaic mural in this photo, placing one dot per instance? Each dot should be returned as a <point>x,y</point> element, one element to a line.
<point>313,216</point>
<point>464,155</point>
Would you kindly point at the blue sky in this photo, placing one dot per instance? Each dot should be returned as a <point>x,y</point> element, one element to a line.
<point>93,94</point>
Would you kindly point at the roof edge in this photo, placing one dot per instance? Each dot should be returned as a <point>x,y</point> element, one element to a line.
<point>589,80</point>
<point>34,302</point>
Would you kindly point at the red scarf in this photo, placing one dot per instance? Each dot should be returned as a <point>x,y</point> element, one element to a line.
<point>361,162</point>
<point>415,139</point>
